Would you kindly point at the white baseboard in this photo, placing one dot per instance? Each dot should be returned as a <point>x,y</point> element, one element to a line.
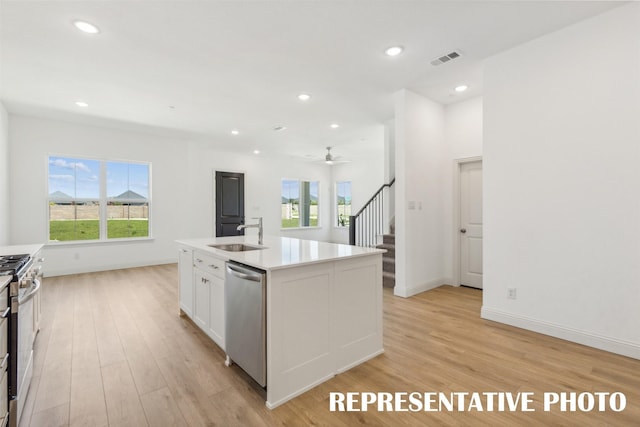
<point>624,348</point>
<point>414,290</point>
<point>359,362</point>
<point>52,272</point>
<point>450,281</point>
<point>275,404</point>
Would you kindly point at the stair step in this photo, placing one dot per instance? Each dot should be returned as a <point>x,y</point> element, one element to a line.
<point>391,253</point>
<point>388,279</point>
<point>388,260</point>
<point>387,246</point>
<point>389,264</point>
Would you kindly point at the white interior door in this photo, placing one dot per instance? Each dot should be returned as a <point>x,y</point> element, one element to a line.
<point>470,230</point>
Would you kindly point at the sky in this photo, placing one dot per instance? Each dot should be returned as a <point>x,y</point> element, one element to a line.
<point>344,190</point>
<point>80,178</point>
<point>291,189</point>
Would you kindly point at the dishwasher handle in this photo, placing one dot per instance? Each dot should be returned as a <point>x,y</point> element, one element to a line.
<point>243,273</point>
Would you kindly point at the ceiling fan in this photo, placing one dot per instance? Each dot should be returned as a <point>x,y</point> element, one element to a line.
<point>330,159</point>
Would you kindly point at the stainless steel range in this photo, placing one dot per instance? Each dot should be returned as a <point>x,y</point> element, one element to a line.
<point>25,282</point>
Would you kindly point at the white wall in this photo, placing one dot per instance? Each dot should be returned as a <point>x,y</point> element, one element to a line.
<point>4,176</point>
<point>32,140</point>
<point>562,183</point>
<point>420,164</point>
<point>463,128</point>
<point>463,134</point>
<point>182,193</point>
<point>263,178</point>
<point>366,173</point>
<point>390,173</point>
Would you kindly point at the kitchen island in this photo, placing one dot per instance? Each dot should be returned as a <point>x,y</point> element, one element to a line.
<point>323,305</point>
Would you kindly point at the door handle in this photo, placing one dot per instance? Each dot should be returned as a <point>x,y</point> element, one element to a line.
<point>463,230</point>
<point>30,295</point>
<point>233,271</point>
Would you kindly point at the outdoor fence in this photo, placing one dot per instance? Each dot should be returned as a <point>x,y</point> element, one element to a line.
<point>62,212</point>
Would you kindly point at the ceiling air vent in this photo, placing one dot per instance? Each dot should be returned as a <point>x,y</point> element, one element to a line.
<point>445,58</point>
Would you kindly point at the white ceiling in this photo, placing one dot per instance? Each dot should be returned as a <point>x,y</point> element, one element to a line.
<point>203,68</point>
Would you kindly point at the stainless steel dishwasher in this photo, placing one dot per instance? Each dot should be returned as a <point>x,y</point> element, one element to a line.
<point>245,320</point>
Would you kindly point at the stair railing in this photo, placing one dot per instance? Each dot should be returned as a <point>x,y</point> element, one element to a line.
<point>368,222</point>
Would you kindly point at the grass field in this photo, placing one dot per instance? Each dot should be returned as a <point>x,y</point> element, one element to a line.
<point>294,223</point>
<point>89,229</point>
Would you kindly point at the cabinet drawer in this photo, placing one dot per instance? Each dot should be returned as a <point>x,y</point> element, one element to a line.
<point>4,340</point>
<point>209,264</point>
<point>184,252</point>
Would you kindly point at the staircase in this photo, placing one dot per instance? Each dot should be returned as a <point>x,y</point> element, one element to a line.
<point>366,227</point>
<point>388,260</point>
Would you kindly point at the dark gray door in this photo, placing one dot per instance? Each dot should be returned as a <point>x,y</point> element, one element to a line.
<point>229,203</point>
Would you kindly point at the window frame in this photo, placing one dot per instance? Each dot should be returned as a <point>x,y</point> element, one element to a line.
<point>337,205</point>
<point>103,201</point>
<point>301,227</point>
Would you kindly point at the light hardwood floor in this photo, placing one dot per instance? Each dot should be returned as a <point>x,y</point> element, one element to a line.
<point>113,351</point>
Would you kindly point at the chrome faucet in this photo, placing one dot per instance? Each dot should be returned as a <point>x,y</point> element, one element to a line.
<point>258,226</point>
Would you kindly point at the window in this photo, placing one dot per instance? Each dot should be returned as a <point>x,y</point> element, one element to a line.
<point>343,203</point>
<point>97,199</point>
<point>74,199</point>
<point>299,203</point>
<point>127,200</point>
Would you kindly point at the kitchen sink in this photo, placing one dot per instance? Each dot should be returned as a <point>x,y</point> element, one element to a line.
<point>236,247</point>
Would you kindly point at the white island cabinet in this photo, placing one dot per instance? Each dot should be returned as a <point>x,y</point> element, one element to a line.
<point>185,273</point>
<point>201,289</point>
<point>323,306</point>
<point>209,295</point>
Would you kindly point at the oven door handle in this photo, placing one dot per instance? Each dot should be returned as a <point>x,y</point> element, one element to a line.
<point>5,314</point>
<point>30,295</point>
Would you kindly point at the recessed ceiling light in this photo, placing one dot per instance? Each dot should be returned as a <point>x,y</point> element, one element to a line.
<point>279,128</point>
<point>334,126</point>
<point>304,97</point>
<point>461,88</point>
<point>394,50</point>
<point>256,151</point>
<point>81,104</point>
<point>235,132</point>
<point>86,27</point>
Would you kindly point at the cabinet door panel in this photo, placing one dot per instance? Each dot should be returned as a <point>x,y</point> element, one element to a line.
<point>216,330</point>
<point>201,308</point>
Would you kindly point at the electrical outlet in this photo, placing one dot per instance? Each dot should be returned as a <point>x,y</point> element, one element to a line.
<point>511,293</point>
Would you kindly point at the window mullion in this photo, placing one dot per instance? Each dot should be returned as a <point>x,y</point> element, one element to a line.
<point>103,200</point>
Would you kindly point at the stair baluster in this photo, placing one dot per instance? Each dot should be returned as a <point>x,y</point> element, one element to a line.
<point>368,222</point>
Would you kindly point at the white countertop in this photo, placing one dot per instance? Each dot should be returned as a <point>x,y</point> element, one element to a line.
<point>21,249</point>
<point>280,252</point>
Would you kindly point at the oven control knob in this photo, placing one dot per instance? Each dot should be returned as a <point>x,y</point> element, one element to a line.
<point>25,283</point>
